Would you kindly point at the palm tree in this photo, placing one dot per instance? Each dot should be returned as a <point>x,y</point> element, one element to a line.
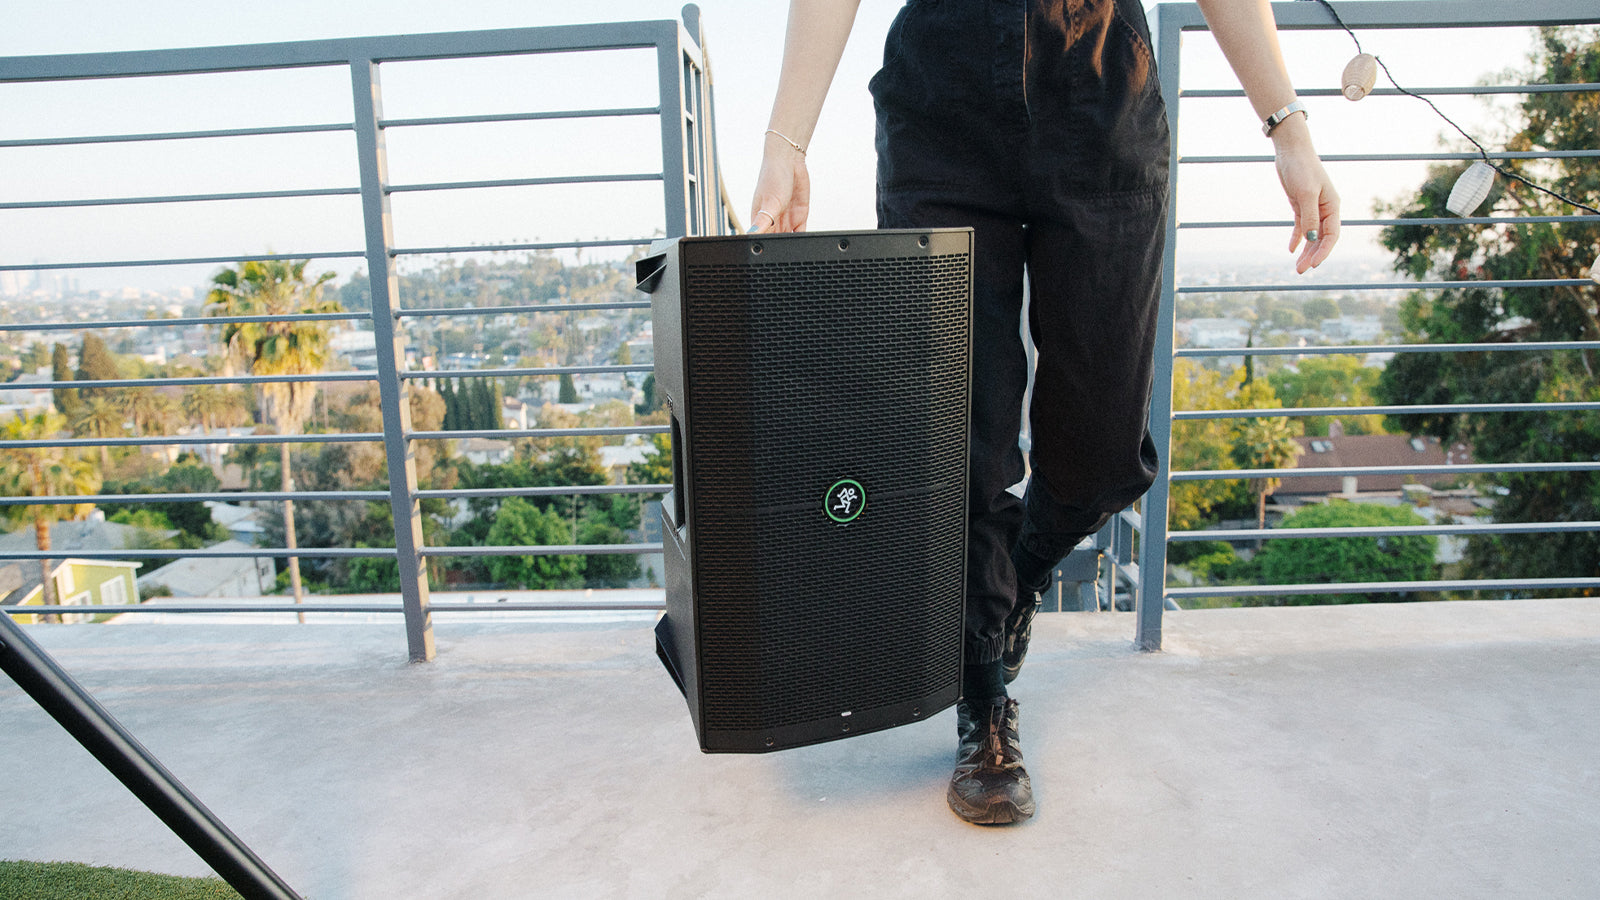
<point>277,288</point>
<point>207,404</point>
<point>151,411</point>
<point>1267,444</point>
<point>99,417</point>
<point>43,472</point>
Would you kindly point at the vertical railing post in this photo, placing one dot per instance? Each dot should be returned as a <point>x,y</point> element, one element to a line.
<point>379,226</point>
<point>1153,533</point>
<point>674,149</point>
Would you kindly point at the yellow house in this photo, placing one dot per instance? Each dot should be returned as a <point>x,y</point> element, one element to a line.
<point>79,582</point>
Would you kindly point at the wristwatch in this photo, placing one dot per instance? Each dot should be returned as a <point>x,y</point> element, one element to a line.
<point>1276,119</point>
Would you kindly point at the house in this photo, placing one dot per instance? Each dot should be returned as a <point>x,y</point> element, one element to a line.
<point>616,459</point>
<point>211,576</point>
<point>242,522</point>
<point>78,582</point>
<point>485,451</point>
<point>1339,450</point>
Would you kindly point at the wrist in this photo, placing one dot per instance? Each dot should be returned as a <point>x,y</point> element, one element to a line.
<point>775,137</point>
<point>1294,109</point>
<point>1291,133</point>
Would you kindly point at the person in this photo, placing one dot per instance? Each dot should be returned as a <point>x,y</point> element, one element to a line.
<point>1040,124</point>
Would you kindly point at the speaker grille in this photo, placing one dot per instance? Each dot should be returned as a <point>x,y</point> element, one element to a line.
<point>799,374</point>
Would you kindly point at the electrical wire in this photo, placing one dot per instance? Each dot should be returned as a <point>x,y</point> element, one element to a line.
<point>1481,151</point>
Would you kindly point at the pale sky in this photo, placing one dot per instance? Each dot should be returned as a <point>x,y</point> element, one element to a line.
<point>745,38</point>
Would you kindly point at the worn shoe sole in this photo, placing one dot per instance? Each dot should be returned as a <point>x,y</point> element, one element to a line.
<point>999,811</point>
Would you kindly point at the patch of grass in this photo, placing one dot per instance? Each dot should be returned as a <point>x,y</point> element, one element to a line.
<point>22,880</point>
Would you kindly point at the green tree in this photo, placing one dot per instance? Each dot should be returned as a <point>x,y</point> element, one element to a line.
<point>67,400</point>
<point>1475,253</point>
<point>1345,559</point>
<point>277,288</point>
<point>100,417</point>
<point>521,524</point>
<point>1329,381</point>
<point>95,363</point>
<point>1266,444</point>
<point>569,391</point>
<point>43,472</point>
<point>1204,444</point>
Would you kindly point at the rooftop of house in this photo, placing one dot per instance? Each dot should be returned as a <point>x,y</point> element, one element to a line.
<point>1339,450</point>
<point>1395,750</point>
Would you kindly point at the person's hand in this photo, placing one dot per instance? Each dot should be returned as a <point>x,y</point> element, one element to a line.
<point>783,190</point>
<point>1310,191</point>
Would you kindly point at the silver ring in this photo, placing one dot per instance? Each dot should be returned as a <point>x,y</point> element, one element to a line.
<point>762,212</point>
<point>1311,236</point>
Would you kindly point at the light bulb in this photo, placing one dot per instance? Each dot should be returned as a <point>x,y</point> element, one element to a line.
<point>1471,189</point>
<point>1360,74</point>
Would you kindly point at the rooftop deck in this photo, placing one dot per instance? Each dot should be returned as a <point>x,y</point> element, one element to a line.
<point>1415,750</point>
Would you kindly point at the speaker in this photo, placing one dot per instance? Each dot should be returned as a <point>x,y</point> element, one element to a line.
<point>814,540</point>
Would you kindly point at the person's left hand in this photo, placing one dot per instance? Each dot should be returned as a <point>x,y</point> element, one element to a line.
<point>1311,194</point>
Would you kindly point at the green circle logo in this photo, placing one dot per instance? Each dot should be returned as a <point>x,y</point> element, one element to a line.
<point>845,500</point>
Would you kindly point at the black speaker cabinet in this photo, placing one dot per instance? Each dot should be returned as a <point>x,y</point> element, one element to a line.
<point>815,536</point>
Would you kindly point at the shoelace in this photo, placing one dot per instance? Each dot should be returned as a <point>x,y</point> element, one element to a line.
<point>997,717</point>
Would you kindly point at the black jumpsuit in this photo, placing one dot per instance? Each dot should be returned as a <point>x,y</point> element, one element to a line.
<point>1040,124</point>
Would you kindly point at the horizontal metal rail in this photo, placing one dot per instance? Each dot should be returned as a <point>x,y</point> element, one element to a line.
<point>522,182</point>
<point>519,310</point>
<point>524,371</point>
<point>1363,349</point>
<point>1575,88</point>
<point>619,112</point>
<point>199,380</point>
<point>208,553</point>
<point>186,322</point>
<point>177,135</point>
<point>185,198</point>
<point>503,248</point>
<point>1439,156</point>
<point>200,440</point>
<point>1357,471</point>
<point>198,497</point>
<point>315,607</point>
<point>1374,223</point>
<point>1389,286</point>
<point>544,550</point>
<point>1257,534</point>
<point>547,491</point>
<point>1434,409</point>
<point>506,433</point>
<point>182,261</point>
<point>1385,587</point>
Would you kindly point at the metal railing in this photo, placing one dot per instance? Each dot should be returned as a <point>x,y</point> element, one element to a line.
<point>693,203</point>
<point>1169,22</point>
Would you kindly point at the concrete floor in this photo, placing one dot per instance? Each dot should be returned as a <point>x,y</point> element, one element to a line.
<point>1405,751</point>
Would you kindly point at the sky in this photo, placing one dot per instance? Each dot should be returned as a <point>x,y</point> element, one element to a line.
<point>745,40</point>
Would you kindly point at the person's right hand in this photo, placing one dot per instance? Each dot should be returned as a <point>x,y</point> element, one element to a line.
<point>783,190</point>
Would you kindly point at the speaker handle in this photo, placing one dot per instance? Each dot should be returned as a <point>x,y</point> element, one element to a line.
<point>648,271</point>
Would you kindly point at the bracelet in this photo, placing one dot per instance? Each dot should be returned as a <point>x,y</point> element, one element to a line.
<point>788,140</point>
<point>1276,119</point>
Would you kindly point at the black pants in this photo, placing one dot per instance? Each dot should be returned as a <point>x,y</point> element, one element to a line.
<point>1038,123</point>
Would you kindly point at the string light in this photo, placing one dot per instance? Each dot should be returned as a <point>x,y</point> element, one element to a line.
<point>1474,185</point>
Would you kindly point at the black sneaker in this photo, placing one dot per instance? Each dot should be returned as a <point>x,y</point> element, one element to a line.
<point>990,786</point>
<point>1019,627</point>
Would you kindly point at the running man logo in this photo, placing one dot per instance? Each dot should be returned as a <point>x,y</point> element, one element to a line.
<point>845,500</point>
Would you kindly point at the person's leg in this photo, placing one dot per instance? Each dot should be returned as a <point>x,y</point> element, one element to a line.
<point>1095,284</point>
<point>999,377</point>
